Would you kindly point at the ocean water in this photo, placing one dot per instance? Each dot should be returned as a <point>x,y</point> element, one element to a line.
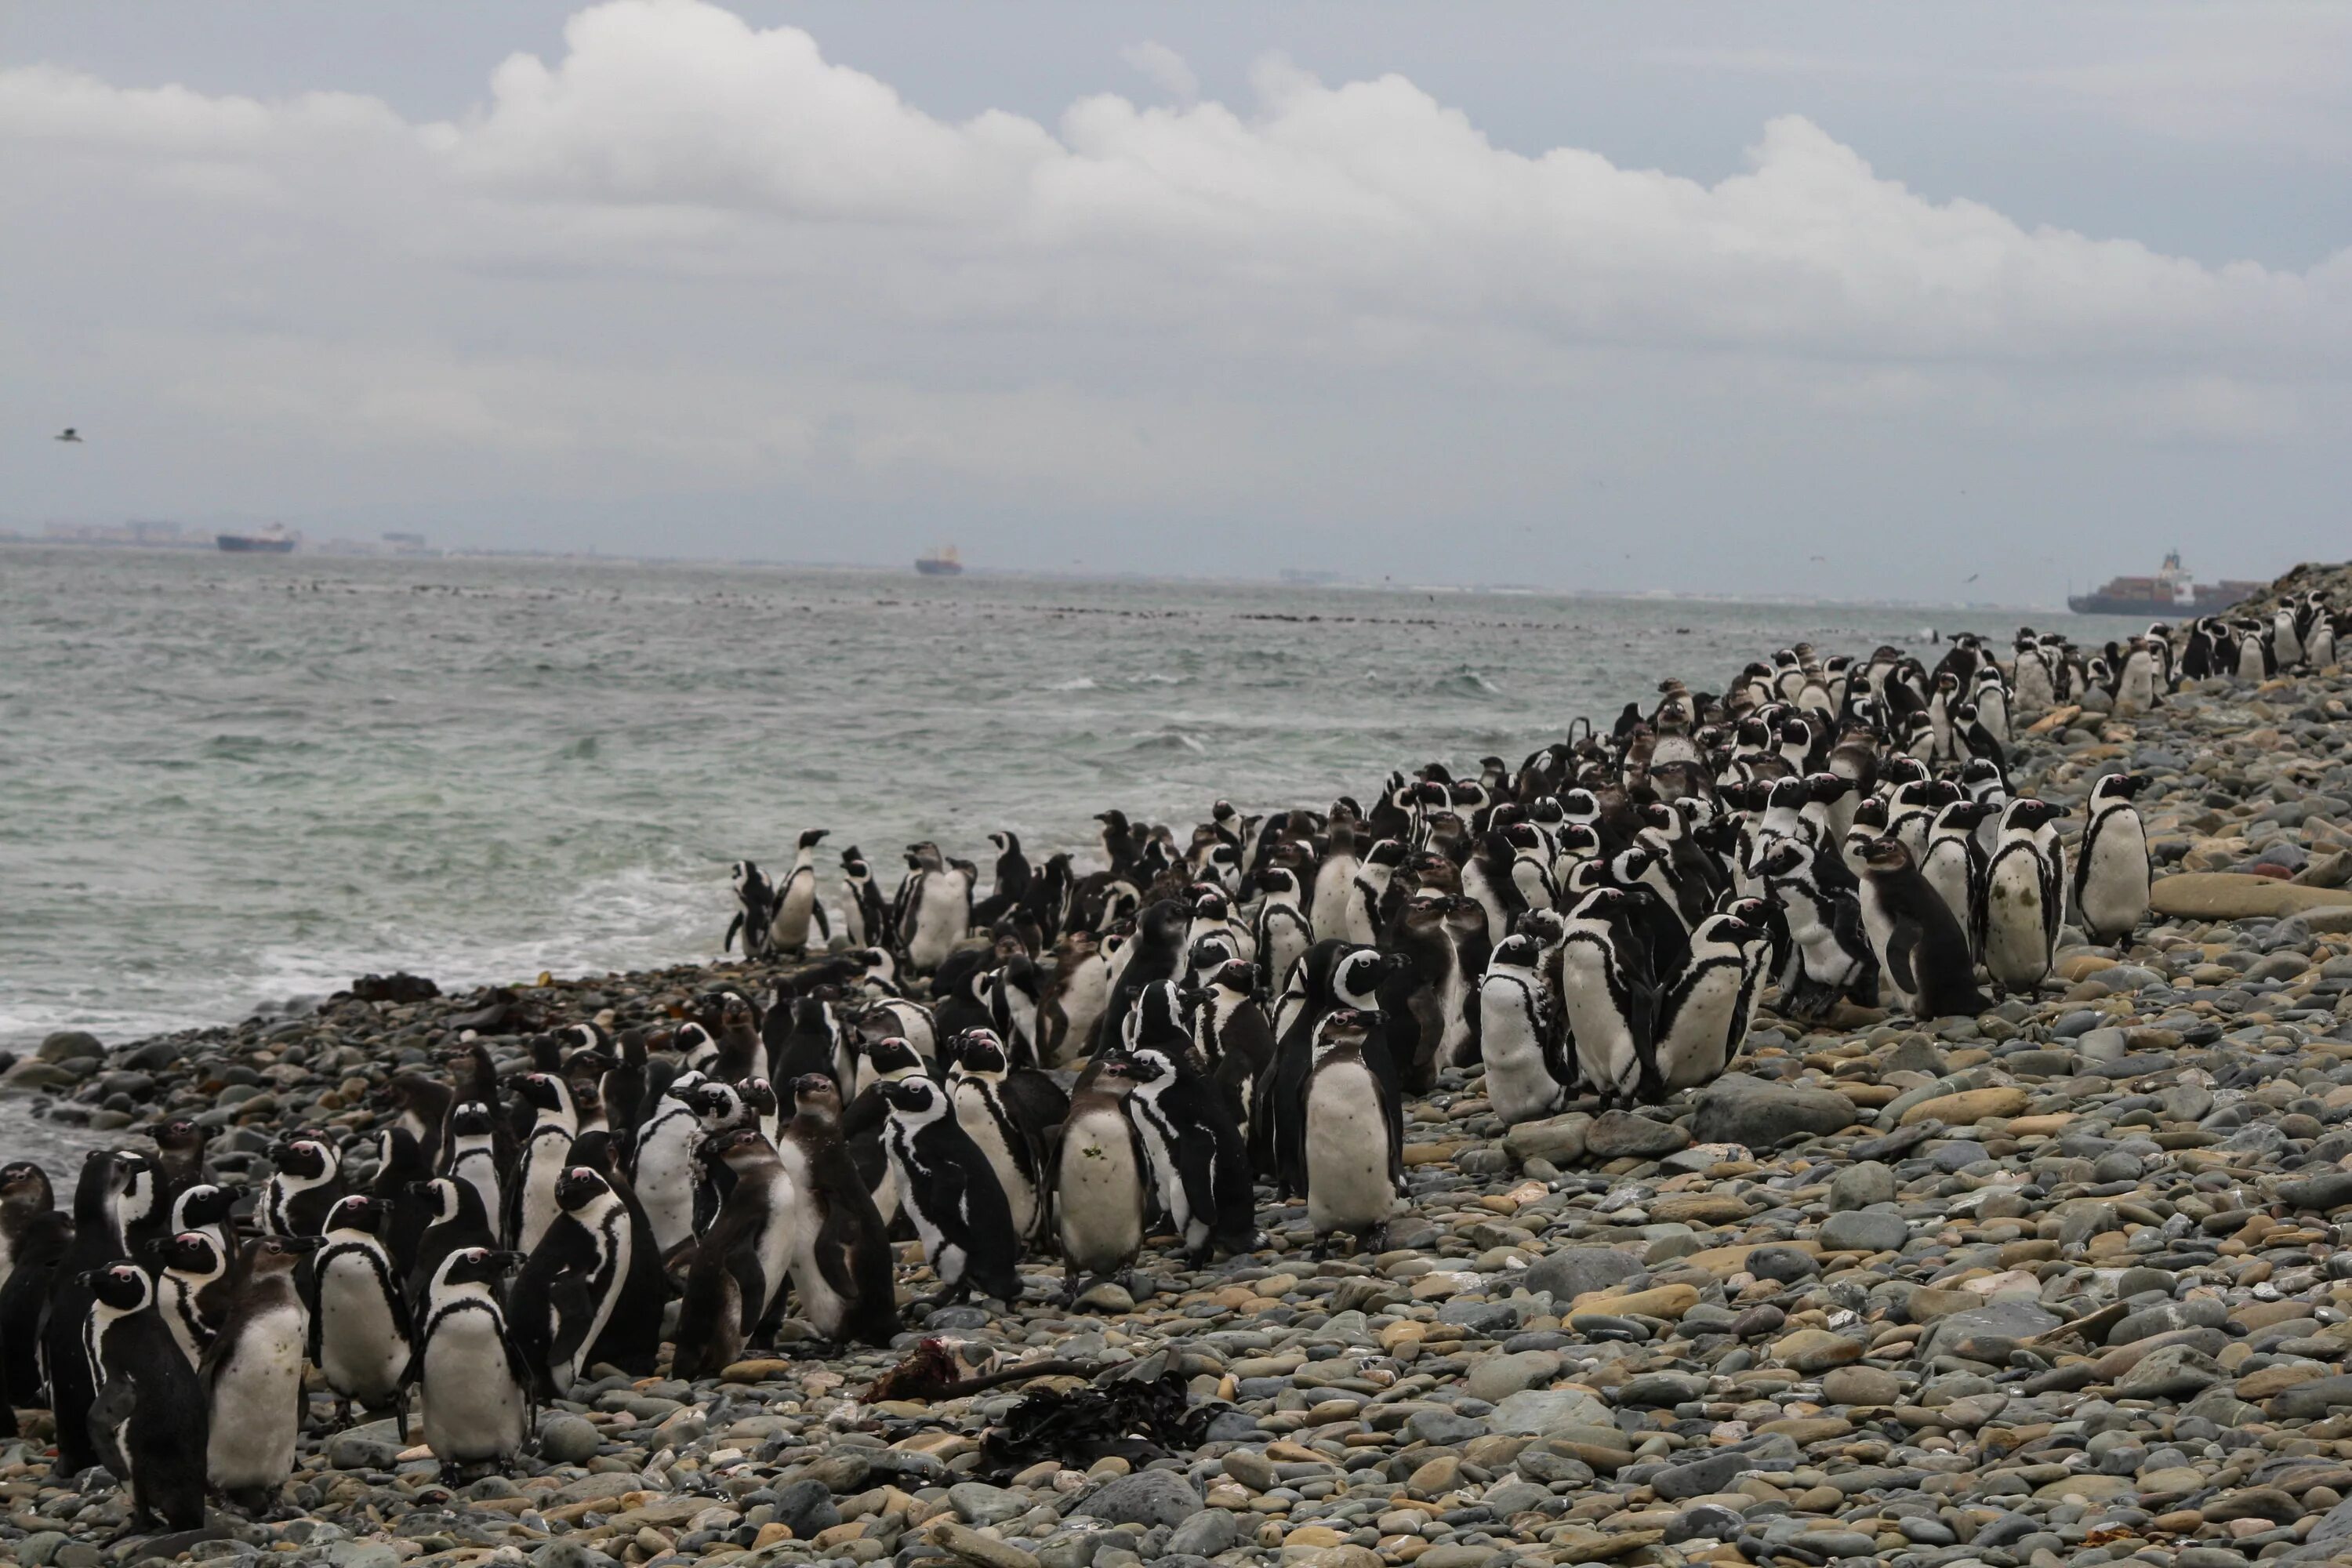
<point>225,782</point>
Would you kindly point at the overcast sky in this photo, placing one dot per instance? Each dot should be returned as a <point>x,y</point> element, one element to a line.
<point>1855,299</point>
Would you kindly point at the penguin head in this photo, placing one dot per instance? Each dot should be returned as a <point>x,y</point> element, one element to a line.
<point>306,1156</point>
<point>2030,814</point>
<point>912,1100</point>
<point>1356,978</point>
<point>739,1149</point>
<point>25,1184</point>
<point>357,1213</point>
<point>179,1133</point>
<point>716,1103</point>
<point>2117,788</point>
<point>1753,911</point>
<point>1543,927</point>
<point>543,1091</point>
<point>1781,857</point>
<point>191,1252</point>
<point>814,837</point>
<point>579,1186</point>
<point>692,1040</point>
<point>440,1196</point>
<point>1276,879</point>
<point>1156,1018</point>
<point>277,1254</point>
<point>817,1098</point>
<point>125,1287</point>
<point>476,1266</point>
<point>1237,978</point>
<point>1870,814</point>
<point>202,1204</point>
<point>1209,904</point>
<point>979,1052</point>
<point>1517,951</point>
<point>759,1097</point>
<point>1885,855</point>
<point>1210,954</point>
<point>744,874</point>
<point>1959,816</point>
<point>1344,1027</point>
<point>471,1120</point>
<point>735,1012</point>
<point>1827,789</point>
<point>1148,1064</point>
<point>853,863</point>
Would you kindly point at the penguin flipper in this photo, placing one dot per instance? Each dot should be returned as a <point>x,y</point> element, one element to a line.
<point>1903,956</point>
<point>733,926</point>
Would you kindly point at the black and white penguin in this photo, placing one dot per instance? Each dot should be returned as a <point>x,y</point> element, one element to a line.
<point>1923,952</point>
<point>25,1196</point>
<point>1285,930</point>
<point>359,1324</point>
<point>668,1176</point>
<point>1013,879</point>
<point>305,1180</point>
<point>546,1154</point>
<point>864,914</point>
<point>1352,1174</point>
<point>1954,864</point>
<point>1231,1033</point>
<point>1073,1004</point>
<point>2025,886</point>
<point>1707,1006</point>
<point>797,906</point>
<point>40,1246</point>
<point>1012,1142</point>
<point>742,1260</point>
<point>1101,1179</point>
<point>159,1435</point>
<point>1198,1162</point>
<point>755,907</point>
<point>454,1220</point>
<point>948,1190</point>
<point>180,1146</point>
<point>841,1262</point>
<point>1829,953</point>
<point>473,1155</point>
<point>253,1375</point>
<point>2111,864</point>
<point>471,1377</point>
<point>191,1291</point>
<point>1013,992</point>
<point>935,908</point>
<point>1157,955</point>
<point>806,1036</point>
<point>1369,906</point>
<point>116,1190</point>
<point>1608,999</point>
<point>582,1277</point>
<point>1518,1034</point>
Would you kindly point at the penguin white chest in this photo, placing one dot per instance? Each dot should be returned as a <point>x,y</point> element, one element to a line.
<point>473,1406</point>
<point>1101,1195</point>
<point>1347,1184</point>
<point>361,1351</point>
<point>255,1403</point>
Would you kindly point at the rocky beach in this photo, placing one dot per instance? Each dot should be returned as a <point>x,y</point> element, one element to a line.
<point>2059,1284</point>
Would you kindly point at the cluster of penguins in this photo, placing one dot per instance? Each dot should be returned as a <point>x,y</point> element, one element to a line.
<point>1076,1062</point>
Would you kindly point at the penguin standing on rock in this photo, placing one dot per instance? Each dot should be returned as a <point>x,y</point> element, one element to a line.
<point>797,906</point>
<point>841,1262</point>
<point>741,1263</point>
<point>139,1372</point>
<point>578,1279</point>
<point>1013,1144</point>
<point>453,1220</point>
<point>546,1152</point>
<point>1923,952</point>
<point>1101,1181</point>
<point>1351,1172</point>
<point>865,914</point>
<point>948,1190</point>
<point>115,1191</point>
<point>755,903</point>
<point>1519,1031</point>
<point>360,1327</point>
<point>305,1183</point>
<point>1707,1006</point>
<point>1198,1163</point>
<point>474,1383</point>
<point>934,908</point>
<point>473,1151</point>
<point>253,1376</point>
<point>2025,886</point>
<point>1610,1001</point>
<point>2111,868</point>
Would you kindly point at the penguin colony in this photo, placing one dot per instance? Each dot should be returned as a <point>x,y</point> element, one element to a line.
<point>1128,1052</point>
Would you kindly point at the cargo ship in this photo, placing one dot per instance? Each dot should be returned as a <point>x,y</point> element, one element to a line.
<point>942,561</point>
<point>2168,593</point>
<point>270,540</point>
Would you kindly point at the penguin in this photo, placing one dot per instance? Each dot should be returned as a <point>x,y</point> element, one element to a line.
<point>1368,908</point>
<point>865,915</point>
<point>115,1190</point>
<point>401,1172</point>
<point>1607,1000</point>
<point>1012,1144</point>
<point>741,1261</point>
<point>1518,1034</point>
<point>806,1036</point>
<point>1198,1163</point>
<point>755,907</point>
<point>25,1196</point>
<point>1707,1006</point>
<point>1073,1003</point>
<point>1954,864</point>
<point>471,1377</point>
<point>580,1277</point>
<point>950,1192</point>
<point>454,1220</point>
<point>305,1180</point>
<point>192,1292</point>
<point>2025,883</point>
<point>841,1261</point>
<point>1334,887</point>
<point>39,1245</point>
<point>1923,952</point>
<point>741,1050</point>
<point>632,1337</point>
<point>473,1149</point>
<point>1013,994</point>
<point>1231,1034</point>
<point>179,1158</point>
<point>2135,688</point>
<point>937,909</point>
<point>1014,878</point>
<point>546,1154</point>
<point>252,1376</point>
<point>162,1436</point>
<point>1351,1172</point>
<point>797,906</point>
<point>359,1321</point>
<point>1156,955</point>
<point>1283,930</point>
<point>1828,955</point>
<point>2111,866</point>
<point>1440,1003</point>
<point>1101,1181</point>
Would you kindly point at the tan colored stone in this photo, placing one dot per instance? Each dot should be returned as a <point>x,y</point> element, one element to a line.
<point>1968,1107</point>
<point>2237,895</point>
<point>1657,1301</point>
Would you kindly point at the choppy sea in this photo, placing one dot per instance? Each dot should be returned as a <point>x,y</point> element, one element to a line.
<point>229,781</point>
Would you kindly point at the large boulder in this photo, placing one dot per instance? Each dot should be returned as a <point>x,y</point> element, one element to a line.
<point>1741,1109</point>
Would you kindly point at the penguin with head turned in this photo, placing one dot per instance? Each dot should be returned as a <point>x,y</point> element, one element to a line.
<point>158,1435</point>
<point>950,1192</point>
<point>865,914</point>
<point>253,1375</point>
<point>116,1190</point>
<point>1198,1162</point>
<point>1156,954</point>
<point>799,920</point>
<point>472,1377</point>
<point>1011,1115</point>
<point>755,908</point>
<point>1923,952</point>
<point>360,1325</point>
<point>841,1262</point>
<point>2112,877</point>
<point>1013,876</point>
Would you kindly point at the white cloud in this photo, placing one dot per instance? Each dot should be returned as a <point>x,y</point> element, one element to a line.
<point>689,247</point>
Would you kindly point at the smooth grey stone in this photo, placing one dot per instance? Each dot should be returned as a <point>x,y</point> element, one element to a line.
<point>1861,1185</point>
<point>566,1439</point>
<point>1737,1108</point>
<point>1576,1270</point>
<point>977,1502</point>
<point>1147,1498</point>
<point>1714,1473</point>
<point>1205,1534</point>
<point>1865,1230</point>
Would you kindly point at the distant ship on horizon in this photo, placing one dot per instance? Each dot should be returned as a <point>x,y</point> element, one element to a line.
<point>271,541</point>
<point>940,561</point>
<point>2168,593</point>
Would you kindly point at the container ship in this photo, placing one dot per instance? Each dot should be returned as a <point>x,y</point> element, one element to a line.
<point>941,560</point>
<point>2168,593</point>
<point>270,540</point>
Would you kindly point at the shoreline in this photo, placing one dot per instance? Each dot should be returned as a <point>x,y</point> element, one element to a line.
<point>2049,1284</point>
